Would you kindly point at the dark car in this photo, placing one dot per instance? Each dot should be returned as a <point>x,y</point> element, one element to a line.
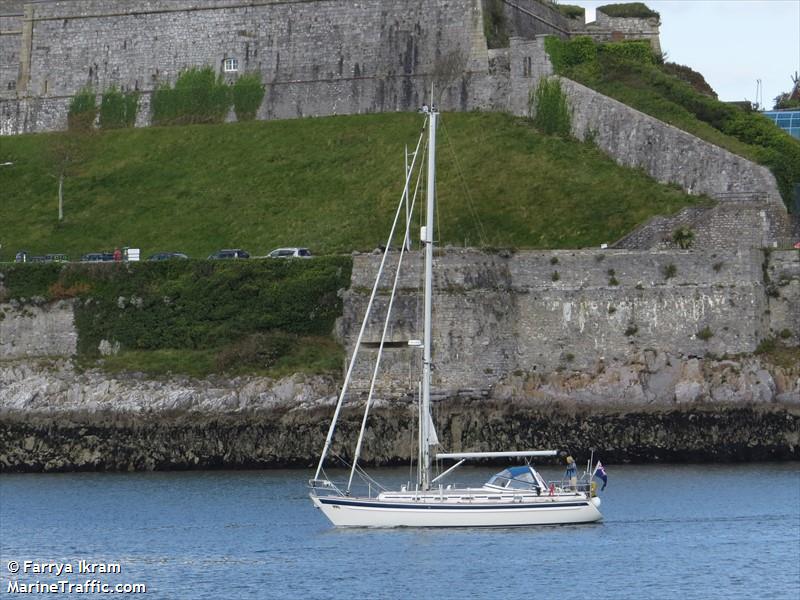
<point>167,256</point>
<point>229,254</point>
<point>98,257</point>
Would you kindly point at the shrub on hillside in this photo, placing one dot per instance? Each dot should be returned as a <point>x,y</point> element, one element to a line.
<point>256,351</point>
<point>664,95</point>
<point>782,151</point>
<point>636,51</point>
<point>248,94</point>
<point>82,110</point>
<point>199,96</point>
<point>550,109</point>
<point>690,76</point>
<point>118,110</point>
<point>571,11</point>
<point>565,54</point>
<point>636,10</point>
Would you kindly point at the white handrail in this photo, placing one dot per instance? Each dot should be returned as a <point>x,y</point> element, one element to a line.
<point>522,453</point>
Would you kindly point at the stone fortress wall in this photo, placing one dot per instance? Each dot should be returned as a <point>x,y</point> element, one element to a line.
<point>498,315</point>
<point>613,328</point>
<point>317,57</point>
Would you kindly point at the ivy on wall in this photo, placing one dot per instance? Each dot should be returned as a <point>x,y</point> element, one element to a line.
<point>248,94</point>
<point>199,96</point>
<point>82,110</point>
<point>118,109</point>
<point>188,304</point>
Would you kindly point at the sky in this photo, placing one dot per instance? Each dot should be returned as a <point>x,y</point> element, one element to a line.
<point>733,43</point>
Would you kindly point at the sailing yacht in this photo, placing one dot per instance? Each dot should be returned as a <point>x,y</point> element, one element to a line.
<point>516,496</point>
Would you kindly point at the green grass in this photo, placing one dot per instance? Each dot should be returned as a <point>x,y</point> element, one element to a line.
<point>778,354</point>
<point>330,184</point>
<point>156,363</point>
<point>632,87</point>
<point>676,95</point>
<point>310,355</point>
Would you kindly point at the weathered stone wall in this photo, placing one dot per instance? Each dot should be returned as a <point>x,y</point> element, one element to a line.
<point>736,223</point>
<point>529,62</point>
<point>10,44</point>
<point>666,153</point>
<point>615,29</point>
<point>610,324</point>
<point>753,213</point>
<point>782,275</point>
<point>43,330</point>
<point>530,18</point>
<point>539,312</point>
<point>317,57</point>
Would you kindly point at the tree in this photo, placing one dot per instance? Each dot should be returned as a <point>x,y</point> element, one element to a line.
<point>67,151</point>
<point>790,99</point>
<point>448,68</point>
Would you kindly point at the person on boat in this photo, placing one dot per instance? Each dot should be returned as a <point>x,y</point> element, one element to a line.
<point>571,473</point>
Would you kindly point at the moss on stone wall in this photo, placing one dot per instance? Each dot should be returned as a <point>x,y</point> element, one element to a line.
<point>188,305</point>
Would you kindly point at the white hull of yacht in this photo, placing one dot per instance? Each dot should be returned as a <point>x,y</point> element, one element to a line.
<point>375,512</point>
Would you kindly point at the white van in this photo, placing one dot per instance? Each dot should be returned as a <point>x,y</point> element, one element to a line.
<point>290,253</point>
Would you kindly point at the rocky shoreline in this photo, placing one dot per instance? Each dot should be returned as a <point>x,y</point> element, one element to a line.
<point>280,439</point>
<point>54,418</point>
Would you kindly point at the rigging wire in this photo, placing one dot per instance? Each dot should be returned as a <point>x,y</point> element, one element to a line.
<point>340,401</point>
<point>470,203</point>
<point>362,473</point>
<point>387,322</point>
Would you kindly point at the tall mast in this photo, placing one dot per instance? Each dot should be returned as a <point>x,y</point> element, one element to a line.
<point>427,240</point>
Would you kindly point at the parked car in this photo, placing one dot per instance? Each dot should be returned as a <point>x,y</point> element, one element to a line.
<point>60,258</point>
<point>22,256</point>
<point>98,257</point>
<point>167,256</point>
<point>290,253</point>
<point>229,254</point>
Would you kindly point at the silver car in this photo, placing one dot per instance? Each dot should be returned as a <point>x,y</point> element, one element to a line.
<point>290,253</point>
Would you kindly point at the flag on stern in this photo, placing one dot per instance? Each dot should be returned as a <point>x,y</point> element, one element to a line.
<point>600,472</point>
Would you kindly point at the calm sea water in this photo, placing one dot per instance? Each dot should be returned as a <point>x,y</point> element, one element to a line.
<point>669,532</point>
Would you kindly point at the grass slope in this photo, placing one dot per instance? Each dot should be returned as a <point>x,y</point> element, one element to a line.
<point>330,184</point>
<point>675,94</point>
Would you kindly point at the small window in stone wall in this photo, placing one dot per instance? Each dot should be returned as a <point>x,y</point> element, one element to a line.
<point>230,65</point>
<point>526,67</point>
<point>12,85</point>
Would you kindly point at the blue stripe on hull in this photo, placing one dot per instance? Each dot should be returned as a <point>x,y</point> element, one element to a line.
<point>422,506</point>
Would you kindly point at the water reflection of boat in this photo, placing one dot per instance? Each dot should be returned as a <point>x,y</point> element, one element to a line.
<point>515,496</point>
